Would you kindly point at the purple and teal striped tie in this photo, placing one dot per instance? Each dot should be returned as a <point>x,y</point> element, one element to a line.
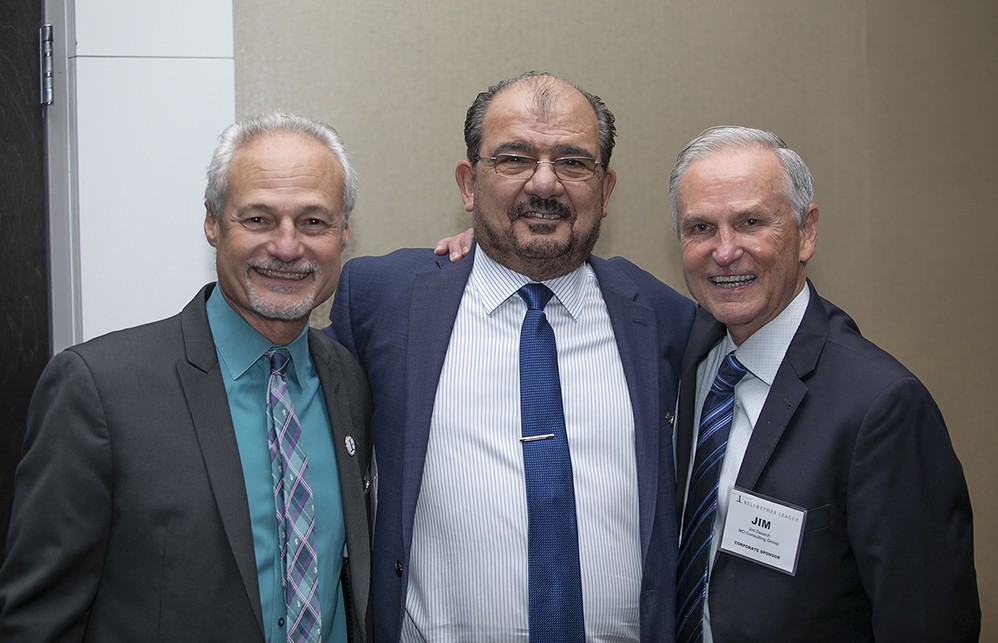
<point>294,507</point>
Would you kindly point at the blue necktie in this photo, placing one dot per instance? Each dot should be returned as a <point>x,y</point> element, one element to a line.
<point>294,507</point>
<point>701,500</point>
<point>555,582</point>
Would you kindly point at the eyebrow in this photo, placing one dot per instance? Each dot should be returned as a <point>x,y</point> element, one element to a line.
<point>522,147</point>
<point>308,210</point>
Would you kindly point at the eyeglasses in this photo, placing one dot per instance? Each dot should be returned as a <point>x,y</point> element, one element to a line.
<point>521,168</point>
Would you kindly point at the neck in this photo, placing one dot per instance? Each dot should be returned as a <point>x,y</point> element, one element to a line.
<point>278,332</point>
<point>537,269</point>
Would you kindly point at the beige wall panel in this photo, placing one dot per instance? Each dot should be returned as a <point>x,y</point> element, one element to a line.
<point>891,103</point>
<point>933,136</point>
<point>396,80</point>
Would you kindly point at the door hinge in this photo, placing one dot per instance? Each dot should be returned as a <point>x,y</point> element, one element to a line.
<point>45,66</point>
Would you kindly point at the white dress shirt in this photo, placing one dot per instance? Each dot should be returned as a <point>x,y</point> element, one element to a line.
<point>762,353</point>
<point>468,568</point>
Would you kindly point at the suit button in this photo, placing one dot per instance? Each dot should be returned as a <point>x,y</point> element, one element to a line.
<point>398,568</point>
<point>280,622</point>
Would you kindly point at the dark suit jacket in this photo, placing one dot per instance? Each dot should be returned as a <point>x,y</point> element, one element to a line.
<point>396,313</point>
<point>852,436</point>
<point>130,519</point>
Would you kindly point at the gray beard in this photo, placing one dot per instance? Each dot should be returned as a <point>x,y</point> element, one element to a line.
<point>262,305</point>
<point>286,312</point>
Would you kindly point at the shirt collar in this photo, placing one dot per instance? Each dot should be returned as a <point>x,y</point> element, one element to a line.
<point>763,352</point>
<point>497,283</point>
<point>240,346</point>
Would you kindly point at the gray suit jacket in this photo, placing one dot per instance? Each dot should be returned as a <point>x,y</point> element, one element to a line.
<point>130,518</point>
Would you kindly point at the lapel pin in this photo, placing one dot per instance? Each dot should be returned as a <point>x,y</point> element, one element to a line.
<point>670,418</point>
<point>350,445</point>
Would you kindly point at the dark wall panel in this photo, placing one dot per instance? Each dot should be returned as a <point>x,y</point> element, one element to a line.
<point>24,309</point>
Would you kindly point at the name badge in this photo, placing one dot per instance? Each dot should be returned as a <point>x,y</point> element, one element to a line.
<point>763,530</point>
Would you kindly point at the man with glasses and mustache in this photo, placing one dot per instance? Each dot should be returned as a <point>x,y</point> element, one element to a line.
<point>202,478</point>
<point>522,420</point>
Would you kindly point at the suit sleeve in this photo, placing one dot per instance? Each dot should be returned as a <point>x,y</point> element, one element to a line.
<point>910,521</point>
<point>339,314</point>
<point>62,507</point>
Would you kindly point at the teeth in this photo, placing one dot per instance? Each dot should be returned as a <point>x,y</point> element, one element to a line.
<point>542,215</point>
<point>275,274</point>
<point>732,281</point>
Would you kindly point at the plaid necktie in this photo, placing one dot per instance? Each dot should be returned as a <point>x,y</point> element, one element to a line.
<point>554,577</point>
<point>294,506</point>
<point>701,500</point>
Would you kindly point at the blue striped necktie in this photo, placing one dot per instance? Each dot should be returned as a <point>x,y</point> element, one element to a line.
<point>701,500</point>
<point>554,578</point>
<point>294,506</point>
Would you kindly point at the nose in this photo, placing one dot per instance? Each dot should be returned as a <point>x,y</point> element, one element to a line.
<point>285,242</point>
<point>728,248</point>
<point>545,183</point>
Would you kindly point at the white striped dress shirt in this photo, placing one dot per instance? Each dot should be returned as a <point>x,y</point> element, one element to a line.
<point>468,567</point>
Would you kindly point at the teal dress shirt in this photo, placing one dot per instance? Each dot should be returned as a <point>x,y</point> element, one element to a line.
<point>245,373</point>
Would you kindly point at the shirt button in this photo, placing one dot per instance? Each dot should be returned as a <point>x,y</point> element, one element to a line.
<point>398,568</point>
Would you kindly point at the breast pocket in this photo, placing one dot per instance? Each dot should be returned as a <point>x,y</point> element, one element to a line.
<point>818,518</point>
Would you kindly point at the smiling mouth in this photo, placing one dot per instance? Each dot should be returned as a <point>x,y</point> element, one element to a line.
<point>278,274</point>
<point>547,216</point>
<point>732,281</point>
<point>538,209</point>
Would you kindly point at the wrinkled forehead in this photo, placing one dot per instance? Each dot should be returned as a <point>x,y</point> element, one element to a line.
<point>750,169</point>
<point>542,113</point>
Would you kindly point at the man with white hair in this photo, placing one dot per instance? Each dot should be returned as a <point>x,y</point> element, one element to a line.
<point>819,495</point>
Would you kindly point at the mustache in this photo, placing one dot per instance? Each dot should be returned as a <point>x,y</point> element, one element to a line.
<point>536,204</point>
<point>301,266</point>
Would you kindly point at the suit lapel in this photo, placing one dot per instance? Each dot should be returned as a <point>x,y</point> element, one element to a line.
<point>786,393</point>
<point>436,297</point>
<point>636,332</point>
<point>207,401</point>
<point>348,466</point>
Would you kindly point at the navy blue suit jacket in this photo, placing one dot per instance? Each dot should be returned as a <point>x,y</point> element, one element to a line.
<point>852,436</point>
<point>396,313</point>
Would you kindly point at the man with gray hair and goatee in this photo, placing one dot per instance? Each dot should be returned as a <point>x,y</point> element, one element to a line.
<point>201,478</point>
